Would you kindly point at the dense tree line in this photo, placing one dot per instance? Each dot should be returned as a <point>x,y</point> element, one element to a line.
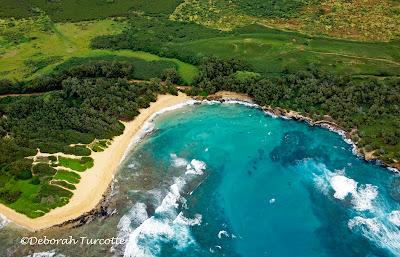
<point>372,106</point>
<point>153,35</point>
<point>53,81</point>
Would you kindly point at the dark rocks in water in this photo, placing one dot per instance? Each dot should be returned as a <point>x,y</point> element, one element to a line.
<point>101,211</point>
<point>150,210</point>
<point>395,189</point>
<point>294,147</point>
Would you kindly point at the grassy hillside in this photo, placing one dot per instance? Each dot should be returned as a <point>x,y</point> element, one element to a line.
<point>33,47</point>
<point>357,19</point>
<point>72,10</point>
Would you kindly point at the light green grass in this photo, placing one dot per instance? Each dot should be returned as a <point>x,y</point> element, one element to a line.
<point>30,206</point>
<point>80,165</point>
<point>271,51</point>
<point>68,176</point>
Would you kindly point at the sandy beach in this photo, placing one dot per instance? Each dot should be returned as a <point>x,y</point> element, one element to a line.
<point>96,180</point>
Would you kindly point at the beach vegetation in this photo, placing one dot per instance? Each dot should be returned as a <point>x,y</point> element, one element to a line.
<point>69,176</point>
<point>80,164</point>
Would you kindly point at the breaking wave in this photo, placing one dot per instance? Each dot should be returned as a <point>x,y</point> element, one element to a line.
<point>372,218</point>
<point>146,234</point>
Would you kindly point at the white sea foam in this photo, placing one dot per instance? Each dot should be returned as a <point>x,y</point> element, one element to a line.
<point>343,186</point>
<point>375,225</point>
<point>148,126</point>
<point>241,103</point>
<point>136,216</point>
<point>51,253</point>
<point>178,162</point>
<point>182,220</point>
<point>362,196</point>
<point>222,233</point>
<point>3,221</point>
<point>132,165</point>
<point>195,167</point>
<point>166,225</point>
<point>366,224</point>
<point>394,217</point>
<point>377,231</point>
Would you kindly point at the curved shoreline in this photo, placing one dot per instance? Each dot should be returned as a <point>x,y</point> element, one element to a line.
<point>96,180</point>
<point>223,96</point>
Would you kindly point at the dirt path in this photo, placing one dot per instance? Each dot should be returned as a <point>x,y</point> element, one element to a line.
<point>356,57</point>
<point>32,94</point>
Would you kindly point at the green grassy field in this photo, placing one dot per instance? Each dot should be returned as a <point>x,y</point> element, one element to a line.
<point>80,165</point>
<point>72,10</point>
<point>273,53</point>
<point>68,176</point>
<point>47,50</point>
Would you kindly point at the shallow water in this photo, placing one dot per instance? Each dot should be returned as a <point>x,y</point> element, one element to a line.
<point>229,180</point>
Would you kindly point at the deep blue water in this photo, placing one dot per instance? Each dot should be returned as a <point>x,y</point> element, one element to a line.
<point>233,181</point>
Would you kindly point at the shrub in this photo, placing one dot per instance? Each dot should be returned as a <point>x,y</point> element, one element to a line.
<point>24,175</point>
<point>43,169</point>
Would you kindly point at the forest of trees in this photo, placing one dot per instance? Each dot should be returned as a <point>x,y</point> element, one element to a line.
<point>371,106</point>
<point>80,105</point>
<point>153,35</point>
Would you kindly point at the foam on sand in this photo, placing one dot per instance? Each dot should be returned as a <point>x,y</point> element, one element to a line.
<point>3,221</point>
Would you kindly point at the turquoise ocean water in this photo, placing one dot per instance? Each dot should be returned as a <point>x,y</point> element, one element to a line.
<point>230,180</point>
<point>242,183</point>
